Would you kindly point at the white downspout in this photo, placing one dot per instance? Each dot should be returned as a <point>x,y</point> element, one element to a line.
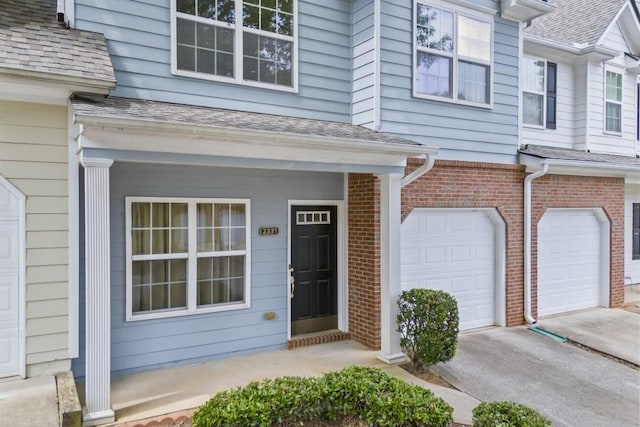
<point>426,167</point>
<point>527,239</point>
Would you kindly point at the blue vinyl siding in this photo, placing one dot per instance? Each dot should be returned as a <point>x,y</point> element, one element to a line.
<point>364,67</point>
<point>149,344</point>
<point>139,40</point>
<point>461,132</point>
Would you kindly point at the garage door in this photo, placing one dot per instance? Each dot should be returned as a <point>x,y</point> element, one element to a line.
<point>568,261</point>
<point>9,282</point>
<point>452,250</point>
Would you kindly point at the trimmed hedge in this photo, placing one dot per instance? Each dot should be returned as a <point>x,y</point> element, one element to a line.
<point>428,325</point>
<point>370,394</point>
<point>507,414</point>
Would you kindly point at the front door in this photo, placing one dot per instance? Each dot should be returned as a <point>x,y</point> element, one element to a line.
<point>314,289</point>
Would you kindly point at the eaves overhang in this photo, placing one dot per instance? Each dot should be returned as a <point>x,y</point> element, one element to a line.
<point>630,172</point>
<point>184,140</point>
<point>49,88</point>
<point>541,46</point>
<point>524,10</point>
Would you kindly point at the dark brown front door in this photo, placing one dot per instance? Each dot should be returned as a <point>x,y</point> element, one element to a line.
<point>314,292</point>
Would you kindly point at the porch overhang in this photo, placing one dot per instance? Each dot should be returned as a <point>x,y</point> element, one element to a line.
<point>120,129</point>
<point>573,162</point>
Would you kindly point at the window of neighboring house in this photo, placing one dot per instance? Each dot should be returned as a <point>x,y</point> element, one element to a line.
<point>453,55</point>
<point>539,93</point>
<point>636,231</point>
<point>613,102</point>
<point>241,41</point>
<point>186,256</point>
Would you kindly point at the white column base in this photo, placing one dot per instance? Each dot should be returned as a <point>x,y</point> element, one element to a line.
<point>97,418</point>
<point>392,359</point>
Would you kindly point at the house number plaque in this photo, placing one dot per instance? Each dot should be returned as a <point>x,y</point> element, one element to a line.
<point>268,231</point>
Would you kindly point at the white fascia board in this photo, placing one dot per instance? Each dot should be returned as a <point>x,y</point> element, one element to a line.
<point>580,167</point>
<point>544,47</point>
<point>45,89</point>
<point>525,10</point>
<point>154,136</point>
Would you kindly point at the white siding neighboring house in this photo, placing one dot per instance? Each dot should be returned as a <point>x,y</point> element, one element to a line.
<point>41,64</point>
<point>597,58</point>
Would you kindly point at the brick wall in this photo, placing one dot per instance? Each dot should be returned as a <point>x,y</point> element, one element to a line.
<point>561,191</point>
<point>364,259</point>
<point>455,184</point>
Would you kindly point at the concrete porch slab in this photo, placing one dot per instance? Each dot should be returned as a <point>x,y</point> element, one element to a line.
<point>28,403</point>
<point>608,330</point>
<point>159,392</point>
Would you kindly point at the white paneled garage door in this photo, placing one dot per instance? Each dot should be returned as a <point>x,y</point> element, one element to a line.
<point>452,250</point>
<point>568,261</point>
<point>9,282</point>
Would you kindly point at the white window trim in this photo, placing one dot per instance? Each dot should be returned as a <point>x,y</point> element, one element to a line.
<point>615,70</point>
<point>192,257</point>
<point>238,49</point>
<point>543,93</point>
<point>462,11</point>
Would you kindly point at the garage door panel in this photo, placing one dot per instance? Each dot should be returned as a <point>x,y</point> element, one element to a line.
<point>456,255</point>
<point>568,261</point>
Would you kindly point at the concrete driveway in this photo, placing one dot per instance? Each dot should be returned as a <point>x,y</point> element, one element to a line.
<point>569,385</point>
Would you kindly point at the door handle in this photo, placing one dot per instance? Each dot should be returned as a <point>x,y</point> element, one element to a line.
<point>292,280</point>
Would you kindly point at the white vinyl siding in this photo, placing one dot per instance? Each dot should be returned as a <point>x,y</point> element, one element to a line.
<point>567,115</point>
<point>33,143</point>
<point>186,256</point>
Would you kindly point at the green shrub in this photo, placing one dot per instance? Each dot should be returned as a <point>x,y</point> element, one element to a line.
<point>370,394</point>
<point>507,414</point>
<point>428,326</point>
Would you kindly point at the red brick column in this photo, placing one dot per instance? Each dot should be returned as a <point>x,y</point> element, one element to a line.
<point>364,259</point>
<point>564,191</point>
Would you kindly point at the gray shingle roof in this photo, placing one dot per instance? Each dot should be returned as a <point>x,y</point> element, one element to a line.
<point>566,154</point>
<point>32,40</point>
<point>575,21</point>
<point>164,112</point>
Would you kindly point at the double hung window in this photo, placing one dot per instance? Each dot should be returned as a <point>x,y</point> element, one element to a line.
<point>242,41</point>
<point>635,241</point>
<point>186,256</point>
<point>613,102</point>
<point>539,93</point>
<point>453,55</point>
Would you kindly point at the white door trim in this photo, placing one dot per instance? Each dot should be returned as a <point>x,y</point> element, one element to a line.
<point>500,257</point>
<point>605,249</point>
<point>343,305</point>
<point>22,276</point>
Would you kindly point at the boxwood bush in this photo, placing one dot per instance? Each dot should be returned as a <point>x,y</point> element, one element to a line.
<point>507,414</point>
<point>428,325</point>
<point>369,394</point>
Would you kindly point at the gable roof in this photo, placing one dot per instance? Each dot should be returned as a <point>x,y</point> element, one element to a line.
<point>32,41</point>
<point>576,21</point>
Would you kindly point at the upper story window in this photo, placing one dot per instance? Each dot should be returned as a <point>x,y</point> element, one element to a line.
<point>453,55</point>
<point>241,41</point>
<point>539,82</point>
<point>186,256</point>
<point>613,102</point>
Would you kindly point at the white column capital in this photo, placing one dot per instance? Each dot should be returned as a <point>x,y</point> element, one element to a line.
<point>95,163</point>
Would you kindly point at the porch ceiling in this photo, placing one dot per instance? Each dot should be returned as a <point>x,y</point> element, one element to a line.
<point>140,130</point>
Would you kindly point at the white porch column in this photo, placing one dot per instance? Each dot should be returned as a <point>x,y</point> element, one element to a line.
<point>97,302</point>
<point>390,206</point>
